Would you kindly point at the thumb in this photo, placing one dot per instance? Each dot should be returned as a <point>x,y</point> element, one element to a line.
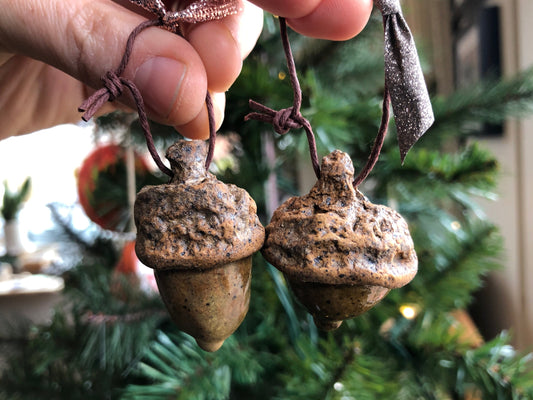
<point>87,38</point>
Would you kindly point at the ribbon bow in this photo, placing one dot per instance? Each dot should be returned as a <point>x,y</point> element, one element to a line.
<point>197,11</point>
<point>404,78</point>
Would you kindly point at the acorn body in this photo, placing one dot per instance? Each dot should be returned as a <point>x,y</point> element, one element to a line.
<point>340,253</point>
<point>208,305</point>
<point>331,304</point>
<point>199,234</point>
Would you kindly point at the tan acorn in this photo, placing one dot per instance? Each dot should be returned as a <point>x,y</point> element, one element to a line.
<point>199,235</point>
<point>340,253</point>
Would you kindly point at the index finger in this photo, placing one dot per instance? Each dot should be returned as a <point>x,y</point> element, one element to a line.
<point>324,19</point>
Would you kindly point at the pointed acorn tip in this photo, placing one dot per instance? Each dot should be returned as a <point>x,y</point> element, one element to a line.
<point>210,346</point>
<point>326,324</point>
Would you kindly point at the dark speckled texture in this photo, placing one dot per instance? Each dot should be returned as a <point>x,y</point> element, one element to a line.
<point>195,221</point>
<point>340,253</point>
<point>334,235</point>
<point>199,234</point>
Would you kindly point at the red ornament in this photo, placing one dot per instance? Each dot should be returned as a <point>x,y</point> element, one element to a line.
<point>127,264</point>
<point>134,271</point>
<point>102,185</point>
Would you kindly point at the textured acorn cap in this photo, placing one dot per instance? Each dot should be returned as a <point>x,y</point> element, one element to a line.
<point>195,221</point>
<point>335,235</point>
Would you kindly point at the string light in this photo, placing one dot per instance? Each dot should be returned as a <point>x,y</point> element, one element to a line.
<point>409,311</point>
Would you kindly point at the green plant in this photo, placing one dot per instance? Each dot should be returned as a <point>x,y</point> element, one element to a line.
<point>13,200</point>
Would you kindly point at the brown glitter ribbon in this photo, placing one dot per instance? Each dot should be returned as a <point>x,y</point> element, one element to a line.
<point>404,78</point>
<point>197,11</point>
<point>114,83</point>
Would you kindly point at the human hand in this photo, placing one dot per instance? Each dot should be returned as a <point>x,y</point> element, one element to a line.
<point>52,52</point>
<point>323,19</point>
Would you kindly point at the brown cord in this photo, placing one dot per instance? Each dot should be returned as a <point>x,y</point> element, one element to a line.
<point>378,144</point>
<point>283,120</point>
<point>111,80</point>
<point>113,87</point>
<point>288,118</point>
<point>212,130</point>
<point>114,84</point>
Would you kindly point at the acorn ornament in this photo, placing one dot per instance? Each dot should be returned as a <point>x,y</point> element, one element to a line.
<point>198,234</point>
<point>340,253</point>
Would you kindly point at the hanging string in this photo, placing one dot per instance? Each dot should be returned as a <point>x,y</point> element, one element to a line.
<point>291,118</point>
<point>288,118</point>
<point>212,130</point>
<point>378,144</point>
<point>114,83</point>
<point>114,86</point>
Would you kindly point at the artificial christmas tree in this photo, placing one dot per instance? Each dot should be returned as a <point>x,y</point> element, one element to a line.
<point>110,346</point>
<point>98,177</point>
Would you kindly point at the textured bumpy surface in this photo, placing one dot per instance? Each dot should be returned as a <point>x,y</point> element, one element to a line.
<point>334,235</point>
<point>195,221</point>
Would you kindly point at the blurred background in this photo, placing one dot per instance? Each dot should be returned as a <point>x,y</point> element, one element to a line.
<point>81,316</point>
<point>471,41</point>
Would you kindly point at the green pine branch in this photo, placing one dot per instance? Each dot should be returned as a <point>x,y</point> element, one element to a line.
<point>174,367</point>
<point>115,316</point>
<point>497,371</point>
<point>461,114</point>
<point>435,176</point>
<point>453,269</point>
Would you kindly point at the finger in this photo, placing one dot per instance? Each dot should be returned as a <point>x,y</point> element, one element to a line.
<point>222,45</point>
<point>26,109</point>
<point>246,26</point>
<point>288,9</point>
<point>86,38</point>
<point>325,19</point>
<point>219,53</point>
<point>334,19</point>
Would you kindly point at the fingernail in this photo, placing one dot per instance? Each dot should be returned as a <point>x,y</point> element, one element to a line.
<point>159,80</point>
